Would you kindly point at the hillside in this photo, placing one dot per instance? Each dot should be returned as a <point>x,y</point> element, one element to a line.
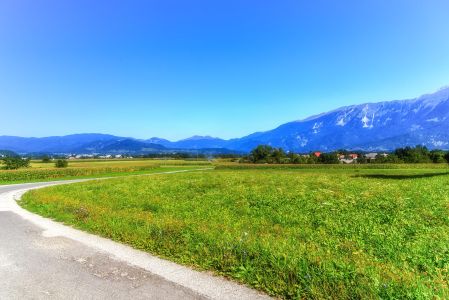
<point>370,126</point>
<point>382,126</point>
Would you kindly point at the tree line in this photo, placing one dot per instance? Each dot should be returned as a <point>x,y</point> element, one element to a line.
<point>273,155</point>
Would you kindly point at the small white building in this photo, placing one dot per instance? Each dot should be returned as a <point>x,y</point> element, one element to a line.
<point>347,161</point>
<point>372,155</point>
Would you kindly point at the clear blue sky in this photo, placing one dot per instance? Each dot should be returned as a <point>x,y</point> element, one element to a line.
<point>223,68</point>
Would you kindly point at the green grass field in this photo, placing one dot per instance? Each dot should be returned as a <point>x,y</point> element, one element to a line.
<point>293,233</point>
<point>101,163</point>
<point>89,168</point>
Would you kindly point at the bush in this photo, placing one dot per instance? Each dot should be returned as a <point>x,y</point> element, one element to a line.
<point>13,163</point>
<point>447,157</point>
<point>61,163</point>
<point>418,154</point>
<point>329,158</point>
<point>46,159</point>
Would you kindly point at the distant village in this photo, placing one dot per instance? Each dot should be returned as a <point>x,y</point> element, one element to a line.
<point>417,154</point>
<point>345,158</point>
<point>352,157</point>
<point>107,156</point>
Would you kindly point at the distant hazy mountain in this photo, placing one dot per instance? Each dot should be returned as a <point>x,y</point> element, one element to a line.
<point>163,142</point>
<point>371,126</point>
<point>52,144</point>
<point>194,142</point>
<point>101,143</point>
<point>120,146</point>
<point>383,125</point>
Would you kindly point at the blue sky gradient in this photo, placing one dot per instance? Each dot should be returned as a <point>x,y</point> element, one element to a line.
<point>223,68</point>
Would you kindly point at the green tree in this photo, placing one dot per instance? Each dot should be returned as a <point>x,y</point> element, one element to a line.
<point>391,158</point>
<point>329,158</point>
<point>278,155</point>
<point>361,159</point>
<point>446,156</point>
<point>312,159</point>
<point>261,153</point>
<point>295,158</point>
<point>437,156</point>
<point>61,163</point>
<point>418,154</point>
<point>46,159</point>
<point>13,163</point>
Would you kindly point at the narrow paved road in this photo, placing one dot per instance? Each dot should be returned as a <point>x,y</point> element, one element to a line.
<point>42,259</point>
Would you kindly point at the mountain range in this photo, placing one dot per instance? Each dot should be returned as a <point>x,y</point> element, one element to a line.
<point>370,126</point>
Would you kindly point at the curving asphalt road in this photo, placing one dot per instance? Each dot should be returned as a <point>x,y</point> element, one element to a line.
<point>42,259</point>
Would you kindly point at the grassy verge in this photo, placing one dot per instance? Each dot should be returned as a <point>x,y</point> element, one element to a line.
<point>315,234</point>
<point>242,166</point>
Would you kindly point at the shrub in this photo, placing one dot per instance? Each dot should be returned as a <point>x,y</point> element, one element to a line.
<point>329,158</point>
<point>46,159</point>
<point>61,163</point>
<point>447,157</point>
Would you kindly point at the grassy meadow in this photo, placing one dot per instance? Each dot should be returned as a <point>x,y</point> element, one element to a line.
<point>89,168</point>
<point>293,233</point>
<point>101,163</point>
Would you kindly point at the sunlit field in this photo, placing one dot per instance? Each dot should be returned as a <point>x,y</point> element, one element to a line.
<point>100,163</point>
<point>39,171</point>
<point>293,233</point>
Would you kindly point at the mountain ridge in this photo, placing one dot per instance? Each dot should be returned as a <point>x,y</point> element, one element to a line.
<point>368,126</point>
<point>347,126</point>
